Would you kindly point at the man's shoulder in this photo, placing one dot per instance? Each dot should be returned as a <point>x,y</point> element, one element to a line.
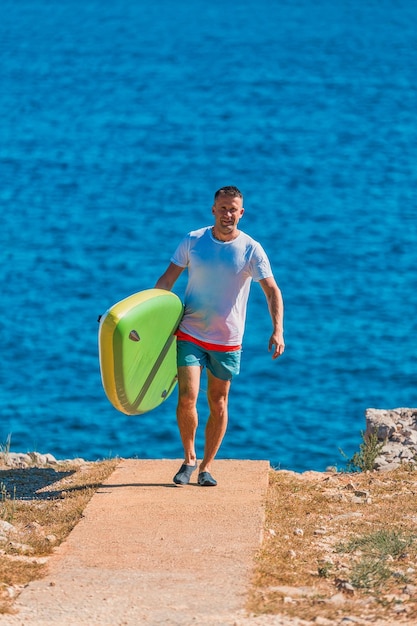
<point>248,240</point>
<point>197,234</point>
<point>254,247</point>
<point>193,239</point>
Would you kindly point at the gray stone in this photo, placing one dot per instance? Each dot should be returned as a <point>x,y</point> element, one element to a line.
<point>396,429</point>
<point>381,422</point>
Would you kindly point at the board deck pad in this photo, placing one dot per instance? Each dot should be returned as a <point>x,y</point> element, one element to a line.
<point>137,350</point>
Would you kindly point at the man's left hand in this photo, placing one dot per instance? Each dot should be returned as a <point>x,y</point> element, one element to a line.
<point>277,345</point>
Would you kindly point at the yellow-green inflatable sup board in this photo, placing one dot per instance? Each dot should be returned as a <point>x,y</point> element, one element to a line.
<point>137,349</point>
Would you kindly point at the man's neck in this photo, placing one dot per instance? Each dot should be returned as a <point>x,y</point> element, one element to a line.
<point>224,237</point>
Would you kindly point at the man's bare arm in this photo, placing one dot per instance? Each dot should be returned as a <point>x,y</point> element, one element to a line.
<point>276,310</point>
<point>168,278</point>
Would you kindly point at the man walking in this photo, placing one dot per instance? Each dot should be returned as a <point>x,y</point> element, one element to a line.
<point>221,261</point>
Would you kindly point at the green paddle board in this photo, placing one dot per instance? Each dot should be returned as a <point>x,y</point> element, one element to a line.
<point>137,350</point>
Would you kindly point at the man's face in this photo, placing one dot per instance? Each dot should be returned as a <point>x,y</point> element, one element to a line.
<point>227,211</point>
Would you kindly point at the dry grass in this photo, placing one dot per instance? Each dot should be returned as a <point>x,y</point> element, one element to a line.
<point>339,544</point>
<point>335,544</point>
<point>43,504</point>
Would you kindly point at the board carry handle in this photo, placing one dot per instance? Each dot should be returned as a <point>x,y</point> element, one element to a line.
<point>134,335</point>
<point>166,392</point>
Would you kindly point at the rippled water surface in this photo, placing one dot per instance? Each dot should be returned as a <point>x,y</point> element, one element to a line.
<point>118,122</point>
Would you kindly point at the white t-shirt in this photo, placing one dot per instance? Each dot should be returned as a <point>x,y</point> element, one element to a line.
<point>219,279</point>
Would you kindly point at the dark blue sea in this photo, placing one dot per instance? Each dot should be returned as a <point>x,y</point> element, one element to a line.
<point>119,120</point>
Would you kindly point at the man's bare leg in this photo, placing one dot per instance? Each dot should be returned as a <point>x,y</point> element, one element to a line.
<point>217,396</point>
<point>187,419</point>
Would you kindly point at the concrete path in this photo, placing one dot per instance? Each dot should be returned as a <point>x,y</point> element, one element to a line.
<point>148,552</point>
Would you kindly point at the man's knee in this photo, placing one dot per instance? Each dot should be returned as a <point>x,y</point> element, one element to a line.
<point>186,402</point>
<point>217,396</point>
<point>188,385</point>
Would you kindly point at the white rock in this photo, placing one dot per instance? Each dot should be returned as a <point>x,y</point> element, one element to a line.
<point>20,548</point>
<point>18,459</point>
<point>12,592</point>
<point>381,422</point>
<point>6,527</point>
<point>51,539</point>
<point>323,621</point>
<point>338,598</point>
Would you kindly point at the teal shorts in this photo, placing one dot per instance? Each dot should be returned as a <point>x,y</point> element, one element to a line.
<point>223,365</point>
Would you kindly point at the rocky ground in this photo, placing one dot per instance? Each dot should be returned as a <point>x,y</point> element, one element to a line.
<point>357,501</point>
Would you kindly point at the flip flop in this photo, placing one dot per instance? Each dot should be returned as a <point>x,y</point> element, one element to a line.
<point>205,479</point>
<point>182,477</point>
